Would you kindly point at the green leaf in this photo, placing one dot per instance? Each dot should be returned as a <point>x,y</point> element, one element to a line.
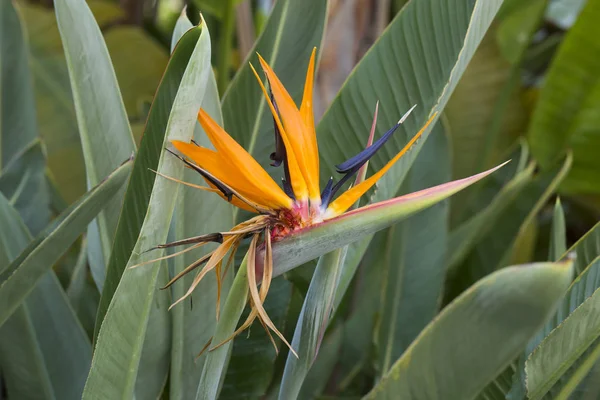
<point>566,114</point>
<point>246,115</point>
<point>485,113</point>
<point>465,347</point>
<point>182,25</point>
<point>139,188</point>
<point>21,159</point>
<point>308,244</point>
<point>414,260</point>
<point>19,279</point>
<point>121,337</point>
<point>316,240</point>
<point>104,129</point>
<point>43,348</point>
<point>139,62</point>
<point>54,103</point>
<point>391,72</point>
<point>196,213</point>
<point>419,59</point>
<point>558,240</point>
<point>18,127</point>
<point>563,347</point>
<point>587,251</point>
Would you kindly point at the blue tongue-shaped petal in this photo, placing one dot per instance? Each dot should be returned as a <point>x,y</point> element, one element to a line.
<point>354,163</point>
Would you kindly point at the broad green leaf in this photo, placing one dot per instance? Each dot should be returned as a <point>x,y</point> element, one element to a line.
<point>566,114</point>
<point>104,129</point>
<point>43,349</point>
<point>485,106</point>
<point>54,102</point>
<point>419,59</point>
<point>24,184</point>
<point>19,279</point>
<point>139,188</point>
<point>313,241</point>
<point>18,125</point>
<point>246,115</point>
<point>21,159</point>
<point>308,244</point>
<point>563,347</point>
<point>465,347</point>
<point>138,63</point>
<point>414,264</point>
<point>121,337</point>
<point>558,239</point>
<point>197,213</point>
<point>392,73</point>
<point>587,251</point>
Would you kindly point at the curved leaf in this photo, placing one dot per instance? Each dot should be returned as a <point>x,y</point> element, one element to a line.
<point>22,162</point>
<point>196,213</point>
<point>419,59</point>
<point>19,279</point>
<point>465,347</point>
<point>121,336</point>
<point>587,251</point>
<point>104,129</point>
<point>139,188</point>
<point>563,347</point>
<point>18,125</point>
<point>313,241</point>
<point>558,238</point>
<point>566,114</point>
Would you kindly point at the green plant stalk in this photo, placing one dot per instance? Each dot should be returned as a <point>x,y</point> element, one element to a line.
<point>225,41</point>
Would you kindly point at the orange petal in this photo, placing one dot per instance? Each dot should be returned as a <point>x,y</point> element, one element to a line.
<point>348,198</point>
<point>306,110</point>
<point>302,139</point>
<point>297,179</point>
<point>212,162</point>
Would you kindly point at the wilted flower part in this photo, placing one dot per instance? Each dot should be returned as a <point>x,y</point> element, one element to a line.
<point>232,173</point>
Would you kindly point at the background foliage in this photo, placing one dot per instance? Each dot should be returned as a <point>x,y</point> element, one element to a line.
<point>492,293</point>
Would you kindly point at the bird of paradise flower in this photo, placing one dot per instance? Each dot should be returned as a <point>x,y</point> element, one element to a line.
<point>233,174</point>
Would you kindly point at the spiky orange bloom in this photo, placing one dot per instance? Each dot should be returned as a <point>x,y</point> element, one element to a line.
<point>233,173</point>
